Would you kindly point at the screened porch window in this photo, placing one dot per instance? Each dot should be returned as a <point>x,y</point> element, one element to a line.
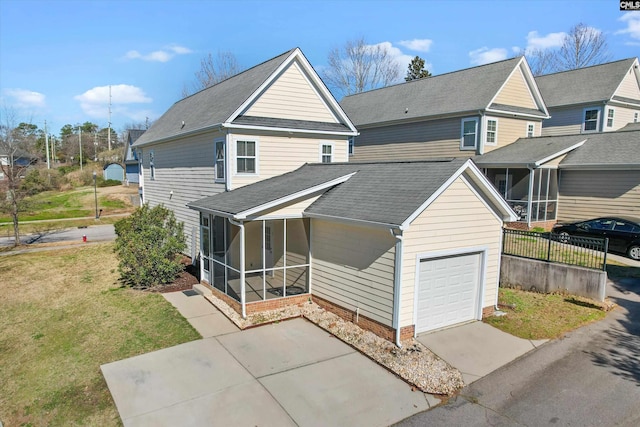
<point>276,257</point>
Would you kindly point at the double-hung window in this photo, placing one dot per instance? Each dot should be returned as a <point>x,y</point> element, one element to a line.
<point>326,153</point>
<point>610,118</point>
<point>469,138</point>
<point>220,161</point>
<point>591,116</point>
<point>492,132</point>
<point>152,166</point>
<point>246,156</point>
<point>352,144</point>
<point>531,128</point>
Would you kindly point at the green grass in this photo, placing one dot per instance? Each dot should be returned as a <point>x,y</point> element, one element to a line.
<point>105,202</point>
<point>61,324</point>
<point>543,316</point>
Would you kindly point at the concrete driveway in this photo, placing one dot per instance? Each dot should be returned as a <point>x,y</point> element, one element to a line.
<point>290,373</point>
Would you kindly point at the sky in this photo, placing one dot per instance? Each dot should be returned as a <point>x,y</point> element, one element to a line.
<point>58,58</point>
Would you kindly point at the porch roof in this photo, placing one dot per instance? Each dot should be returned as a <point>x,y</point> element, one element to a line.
<point>532,152</point>
<point>382,193</point>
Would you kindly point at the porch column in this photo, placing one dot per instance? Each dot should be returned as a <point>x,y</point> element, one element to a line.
<point>243,301</point>
<point>530,196</point>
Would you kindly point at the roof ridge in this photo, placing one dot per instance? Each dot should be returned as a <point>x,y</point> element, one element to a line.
<point>435,77</point>
<point>587,67</point>
<point>388,162</point>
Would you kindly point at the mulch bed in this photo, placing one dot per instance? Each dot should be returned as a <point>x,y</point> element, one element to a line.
<point>184,281</point>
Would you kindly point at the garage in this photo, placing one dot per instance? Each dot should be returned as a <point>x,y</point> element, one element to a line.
<point>448,291</point>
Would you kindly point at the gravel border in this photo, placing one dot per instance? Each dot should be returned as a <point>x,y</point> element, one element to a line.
<point>414,363</point>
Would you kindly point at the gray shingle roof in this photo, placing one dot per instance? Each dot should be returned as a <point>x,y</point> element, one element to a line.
<point>384,193</point>
<point>515,109</point>
<point>584,85</point>
<point>291,124</point>
<point>213,105</point>
<point>461,91</point>
<point>527,151</point>
<point>620,149</point>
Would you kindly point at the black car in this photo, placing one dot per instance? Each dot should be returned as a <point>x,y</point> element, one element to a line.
<point>623,232</point>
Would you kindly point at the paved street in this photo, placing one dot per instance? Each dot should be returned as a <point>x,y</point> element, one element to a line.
<point>94,233</point>
<point>591,377</point>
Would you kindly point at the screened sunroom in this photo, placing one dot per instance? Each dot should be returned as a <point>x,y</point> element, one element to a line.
<point>255,260</point>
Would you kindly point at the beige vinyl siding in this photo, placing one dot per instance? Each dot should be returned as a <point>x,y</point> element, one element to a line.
<point>291,96</point>
<point>622,117</point>
<point>294,209</point>
<point>420,140</point>
<point>516,92</point>
<point>509,130</point>
<point>456,219</point>
<point>278,155</point>
<point>563,121</point>
<point>353,266</point>
<point>185,167</point>
<point>629,86</point>
<point>590,194</point>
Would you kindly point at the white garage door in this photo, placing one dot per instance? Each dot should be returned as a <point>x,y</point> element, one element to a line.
<point>447,291</point>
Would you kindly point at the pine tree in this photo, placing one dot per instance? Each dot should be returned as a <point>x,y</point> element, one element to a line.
<point>416,70</point>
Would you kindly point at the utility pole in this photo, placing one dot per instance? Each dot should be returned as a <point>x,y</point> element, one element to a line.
<point>95,145</point>
<point>109,130</point>
<point>80,143</point>
<point>46,143</point>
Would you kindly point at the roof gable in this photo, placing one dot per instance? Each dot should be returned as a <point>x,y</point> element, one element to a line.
<point>516,92</point>
<point>629,87</point>
<point>458,92</point>
<point>584,85</point>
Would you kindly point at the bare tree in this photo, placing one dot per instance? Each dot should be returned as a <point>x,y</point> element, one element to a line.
<point>14,160</point>
<point>541,61</point>
<point>582,46</point>
<point>213,70</point>
<point>357,67</point>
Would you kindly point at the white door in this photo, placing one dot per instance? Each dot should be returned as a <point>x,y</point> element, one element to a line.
<point>448,291</point>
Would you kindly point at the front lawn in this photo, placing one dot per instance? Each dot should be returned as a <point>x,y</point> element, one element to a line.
<point>64,314</point>
<point>533,315</point>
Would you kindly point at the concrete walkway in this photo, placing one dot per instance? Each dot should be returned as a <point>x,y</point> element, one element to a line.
<point>288,373</point>
<point>477,349</point>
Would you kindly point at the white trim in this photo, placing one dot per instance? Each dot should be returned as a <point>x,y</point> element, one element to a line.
<point>475,144</point>
<point>516,114</point>
<point>254,139</point>
<point>607,117</point>
<point>559,153</point>
<point>482,250</point>
<point>344,220</point>
<point>215,160</point>
<point>468,165</point>
<point>598,119</point>
<point>634,66</point>
<point>322,154</point>
<point>293,196</point>
<point>486,131</point>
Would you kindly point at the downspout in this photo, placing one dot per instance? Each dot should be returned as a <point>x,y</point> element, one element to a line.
<point>397,283</point>
<point>242,274</point>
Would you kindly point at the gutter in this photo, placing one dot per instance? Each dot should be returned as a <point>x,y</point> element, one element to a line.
<point>397,282</point>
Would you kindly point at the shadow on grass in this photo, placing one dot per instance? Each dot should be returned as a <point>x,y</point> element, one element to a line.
<point>572,300</point>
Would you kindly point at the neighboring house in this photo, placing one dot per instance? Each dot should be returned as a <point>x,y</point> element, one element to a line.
<point>398,247</point>
<point>459,114</point>
<point>263,122</point>
<point>113,171</point>
<point>130,157</point>
<point>601,98</point>
<point>569,177</point>
<point>20,159</point>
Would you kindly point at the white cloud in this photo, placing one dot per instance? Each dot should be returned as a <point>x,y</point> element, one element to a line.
<point>632,19</point>
<point>400,58</point>
<point>23,98</point>
<point>95,102</point>
<point>163,55</point>
<point>417,45</point>
<point>484,55</point>
<point>538,42</point>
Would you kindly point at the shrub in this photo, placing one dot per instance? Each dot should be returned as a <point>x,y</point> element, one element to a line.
<point>148,245</point>
<point>101,182</point>
<point>39,180</point>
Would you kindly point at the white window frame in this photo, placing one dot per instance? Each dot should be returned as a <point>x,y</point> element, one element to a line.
<point>475,144</point>
<point>152,166</point>
<point>533,130</point>
<point>610,117</point>
<point>255,156</point>
<point>495,132</point>
<point>635,117</point>
<point>584,119</point>
<point>323,154</point>
<point>217,164</point>
<point>351,145</point>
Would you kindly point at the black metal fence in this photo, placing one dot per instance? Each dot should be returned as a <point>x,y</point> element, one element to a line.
<point>586,252</point>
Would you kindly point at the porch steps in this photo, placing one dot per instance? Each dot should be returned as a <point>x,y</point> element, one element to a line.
<point>202,290</point>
